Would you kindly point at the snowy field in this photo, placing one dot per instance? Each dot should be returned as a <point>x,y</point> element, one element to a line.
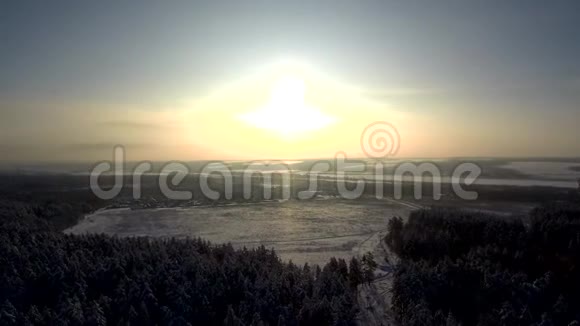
<point>301,231</point>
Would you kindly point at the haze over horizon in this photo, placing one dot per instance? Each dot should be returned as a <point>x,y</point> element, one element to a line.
<point>298,79</point>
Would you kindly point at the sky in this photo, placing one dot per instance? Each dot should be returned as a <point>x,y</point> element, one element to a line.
<point>189,80</point>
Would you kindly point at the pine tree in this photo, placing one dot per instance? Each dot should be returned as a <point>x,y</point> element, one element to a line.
<point>8,314</point>
<point>231,318</point>
<point>355,275</point>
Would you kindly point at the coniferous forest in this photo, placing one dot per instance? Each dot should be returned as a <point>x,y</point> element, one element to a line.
<point>49,278</point>
<point>454,267</point>
<point>463,268</point>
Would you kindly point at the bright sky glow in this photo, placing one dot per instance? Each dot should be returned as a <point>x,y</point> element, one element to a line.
<point>197,80</point>
<point>286,112</point>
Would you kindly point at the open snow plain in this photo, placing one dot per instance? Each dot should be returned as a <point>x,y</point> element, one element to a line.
<point>301,231</point>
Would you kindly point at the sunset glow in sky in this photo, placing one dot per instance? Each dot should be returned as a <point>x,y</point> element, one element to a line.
<point>296,79</point>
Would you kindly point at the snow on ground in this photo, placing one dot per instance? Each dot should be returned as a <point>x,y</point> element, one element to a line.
<point>375,298</point>
<point>301,231</point>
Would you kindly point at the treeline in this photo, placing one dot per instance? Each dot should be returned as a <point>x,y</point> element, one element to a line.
<point>45,214</point>
<point>465,268</point>
<point>61,200</point>
<point>49,278</point>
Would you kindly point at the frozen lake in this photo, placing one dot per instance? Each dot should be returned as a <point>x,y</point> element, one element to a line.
<point>301,231</point>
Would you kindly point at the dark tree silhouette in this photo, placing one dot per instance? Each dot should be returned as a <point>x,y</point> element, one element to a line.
<point>47,278</point>
<point>470,268</point>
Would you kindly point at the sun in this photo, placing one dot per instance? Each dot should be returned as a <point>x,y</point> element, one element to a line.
<point>288,91</point>
<point>286,112</point>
